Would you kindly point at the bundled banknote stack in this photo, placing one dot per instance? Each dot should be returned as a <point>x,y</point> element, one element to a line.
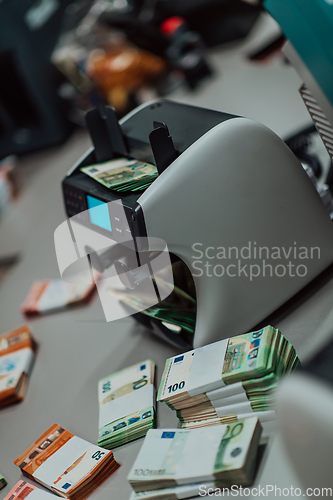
<point>228,380</point>
<point>126,404</point>
<point>181,463</point>
<point>17,356</point>
<point>3,482</point>
<point>48,296</point>
<point>22,490</point>
<point>123,174</point>
<point>66,464</point>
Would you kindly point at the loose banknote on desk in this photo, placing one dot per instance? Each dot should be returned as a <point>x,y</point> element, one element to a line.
<point>228,380</point>
<point>126,404</point>
<point>66,464</point>
<point>171,459</point>
<point>123,174</point>
<point>17,356</point>
<point>22,490</point>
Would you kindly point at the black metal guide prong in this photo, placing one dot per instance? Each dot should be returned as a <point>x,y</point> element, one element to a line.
<point>105,133</point>
<point>162,145</point>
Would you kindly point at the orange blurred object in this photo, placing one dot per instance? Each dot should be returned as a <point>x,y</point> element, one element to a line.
<point>119,73</point>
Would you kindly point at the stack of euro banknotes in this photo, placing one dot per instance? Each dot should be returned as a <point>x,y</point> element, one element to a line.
<point>123,174</point>
<point>53,295</point>
<point>22,490</point>
<point>65,464</point>
<point>17,355</point>
<point>228,380</point>
<point>182,463</point>
<point>126,404</point>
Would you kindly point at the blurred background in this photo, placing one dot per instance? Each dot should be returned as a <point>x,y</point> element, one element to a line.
<point>59,58</point>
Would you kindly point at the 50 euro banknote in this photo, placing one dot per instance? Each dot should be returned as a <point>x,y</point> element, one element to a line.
<point>66,464</point>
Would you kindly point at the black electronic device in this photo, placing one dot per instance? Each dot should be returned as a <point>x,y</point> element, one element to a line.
<point>185,124</point>
<point>157,133</point>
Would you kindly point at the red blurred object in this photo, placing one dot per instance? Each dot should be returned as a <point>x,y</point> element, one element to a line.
<point>170,25</point>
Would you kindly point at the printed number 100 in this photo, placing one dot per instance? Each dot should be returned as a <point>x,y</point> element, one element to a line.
<point>175,387</point>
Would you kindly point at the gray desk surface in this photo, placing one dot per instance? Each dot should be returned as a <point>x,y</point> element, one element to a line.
<point>78,347</point>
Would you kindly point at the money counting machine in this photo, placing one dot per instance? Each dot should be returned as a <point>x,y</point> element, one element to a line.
<point>231,201</point>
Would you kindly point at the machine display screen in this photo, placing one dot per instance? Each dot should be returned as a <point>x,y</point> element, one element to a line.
<point>99,216</point>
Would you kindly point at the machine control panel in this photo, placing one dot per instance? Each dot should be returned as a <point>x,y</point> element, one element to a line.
<point>108,217</point>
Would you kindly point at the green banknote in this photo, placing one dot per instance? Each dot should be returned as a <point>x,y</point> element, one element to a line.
<point>174,457</point>
<point>126,404</point>
<point>228,380</point>
<point>177,317</point>
<point>250,355</point>
<point>246,362</point>
<point>177,311</point>
<point>3,482</point>
<point>240,358</point>
<point>123,174</point>
<point>253,387</point>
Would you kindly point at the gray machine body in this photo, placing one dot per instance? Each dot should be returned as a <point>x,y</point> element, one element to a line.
<point>235,206</point>
<point>239,186</point>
